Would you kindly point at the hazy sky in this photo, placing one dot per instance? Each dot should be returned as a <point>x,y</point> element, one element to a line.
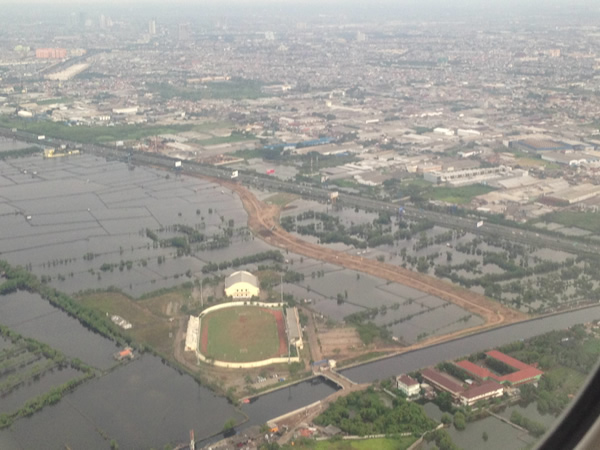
<point>352,9</point>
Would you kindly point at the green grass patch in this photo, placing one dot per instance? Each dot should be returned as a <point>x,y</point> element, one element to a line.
<point>399,443</point>
<point>459,195</point>
<point>346,182</point>
<point>53,101</point>
<point>589,221</point>
<point>147,327</point>
<point>592,346</point>
<point>571,380</point>
<point>241,334</point>
<point>416,182</point>
<point>362,358</point>
<point>100,134</point>
<point>281,198</point>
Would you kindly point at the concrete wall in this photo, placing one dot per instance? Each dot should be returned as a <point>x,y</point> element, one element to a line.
<point>240,303</point>
<point>247,365</point>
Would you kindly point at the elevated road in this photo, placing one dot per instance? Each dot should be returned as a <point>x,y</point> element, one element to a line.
<point>514,234</point>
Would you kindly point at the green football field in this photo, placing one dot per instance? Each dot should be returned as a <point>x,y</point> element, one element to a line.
<point>243,334</point>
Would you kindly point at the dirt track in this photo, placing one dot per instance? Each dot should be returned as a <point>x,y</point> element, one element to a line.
<point>263,220</point>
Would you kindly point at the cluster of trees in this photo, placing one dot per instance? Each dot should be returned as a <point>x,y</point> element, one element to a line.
<point>191,235</point>
<point>535,428</point>
<point>553,351</point>
<point>564,347</point>
<point>454,370</point>
<point>329,229</point>
<point>500,367</point>
<point>425,241</point>
<point>274,255</point>
<point>270,276</point>
<point>366,329</point>
<point>17,279</point>
<point>442,439</point>
<point>526,279</point>
<point>20,153</point>
<point>364,413</point>
<point>106,267</point>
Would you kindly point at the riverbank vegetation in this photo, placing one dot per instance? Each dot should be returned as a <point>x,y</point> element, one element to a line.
<point>364,413</point>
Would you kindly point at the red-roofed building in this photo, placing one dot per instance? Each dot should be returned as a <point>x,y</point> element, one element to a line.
<point>442,382</point>
<point>480,372</point>
<point>524,373</point>
<point>483,391</point>
<point>470,395</point>
<point>509,360</point>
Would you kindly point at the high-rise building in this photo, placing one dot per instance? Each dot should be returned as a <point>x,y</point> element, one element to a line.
<point>185,32</point>
<point>152,27</point>
<point>102,21</point>
<point>360,36</point>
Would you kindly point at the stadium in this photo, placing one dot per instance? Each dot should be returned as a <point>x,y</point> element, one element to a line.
<point>248,334</point>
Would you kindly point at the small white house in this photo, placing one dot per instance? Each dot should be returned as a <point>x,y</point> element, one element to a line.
<point>408,385</point>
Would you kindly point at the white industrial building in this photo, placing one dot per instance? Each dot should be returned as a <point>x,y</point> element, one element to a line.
<point>241,285</point>
<point>569,158</point>
<point>465,176</point>
<point>575,194</point>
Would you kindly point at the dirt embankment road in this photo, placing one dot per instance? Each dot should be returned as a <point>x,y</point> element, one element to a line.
<point>263,220</point>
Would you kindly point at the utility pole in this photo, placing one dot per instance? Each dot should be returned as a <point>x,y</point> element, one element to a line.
<point>201,295</point>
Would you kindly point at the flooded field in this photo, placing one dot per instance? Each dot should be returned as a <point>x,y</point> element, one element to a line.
<point>8,144</point>
<point>410,314</point>
<point>139,404</point>
<point>143,404</point>
<point>80,223</point>
<point>65,218</point>
<point>32,316</point>
<point>34,387</point>
<point>513,273</point>
<point>500,435</point>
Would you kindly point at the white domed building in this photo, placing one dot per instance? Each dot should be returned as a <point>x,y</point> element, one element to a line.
<point>241,285</point>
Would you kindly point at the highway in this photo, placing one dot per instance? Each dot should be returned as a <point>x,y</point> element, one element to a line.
<point>538,239</point>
